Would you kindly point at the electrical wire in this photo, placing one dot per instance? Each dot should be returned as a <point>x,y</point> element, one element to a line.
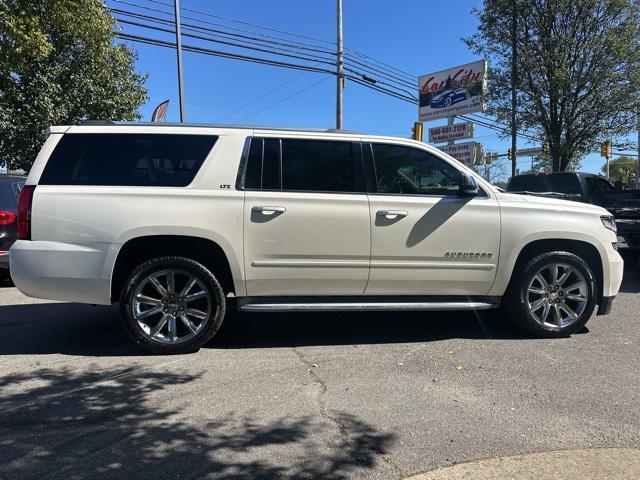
<point>261,43</point>
<point>298,92</point>
<point>348,52</point>
<point>390,87</point>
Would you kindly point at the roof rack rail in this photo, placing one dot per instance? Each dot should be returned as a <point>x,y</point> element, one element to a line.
<point>97,122</point>
<point>340,130</point>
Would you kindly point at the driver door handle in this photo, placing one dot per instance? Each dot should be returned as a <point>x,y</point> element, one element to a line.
<point>266,210</point>
<point>391,214</point>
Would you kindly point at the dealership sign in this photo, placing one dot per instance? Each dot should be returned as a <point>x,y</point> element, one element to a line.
<point>449,133</point>
<point>452,92</point>
<point>466,152</point>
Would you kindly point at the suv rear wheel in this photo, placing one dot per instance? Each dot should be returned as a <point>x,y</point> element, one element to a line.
<point>172,305</point>
<point>552,295</point>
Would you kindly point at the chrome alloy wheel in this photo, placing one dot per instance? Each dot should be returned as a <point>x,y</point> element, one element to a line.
<point>557,295</point>
<point>171,306</point>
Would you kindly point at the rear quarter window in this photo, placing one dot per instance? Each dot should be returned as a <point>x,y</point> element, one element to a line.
<point>127,159</point>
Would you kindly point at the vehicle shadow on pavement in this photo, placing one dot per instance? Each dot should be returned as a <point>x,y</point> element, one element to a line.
<point>124,423</point>
<point>75,329</point>
<point>341,328</point>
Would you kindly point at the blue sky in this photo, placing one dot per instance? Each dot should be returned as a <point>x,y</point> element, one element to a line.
<point>415,36</point>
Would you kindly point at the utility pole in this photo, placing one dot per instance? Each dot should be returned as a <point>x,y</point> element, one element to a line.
<point>176,6</point>
<point>514,75</point>
<point>339,69</point>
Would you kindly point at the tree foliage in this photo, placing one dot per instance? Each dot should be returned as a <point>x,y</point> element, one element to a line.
<point>620,167</point>
<point>578,69</point>
<point>59,65</point>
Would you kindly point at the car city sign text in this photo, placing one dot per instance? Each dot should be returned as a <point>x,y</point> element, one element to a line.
<point>451,92</point>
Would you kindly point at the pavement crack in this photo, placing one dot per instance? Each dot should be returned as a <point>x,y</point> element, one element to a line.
<point>324,413</point>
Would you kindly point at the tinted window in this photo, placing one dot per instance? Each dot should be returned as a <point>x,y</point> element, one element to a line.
<point>559,183</point>
<point>321,166</point>
<point>409,171</point>
<point>127,159</point>
<point>7,196</point>
<point>263,165</point>
<point>595,185</point>
<point>253,175</point>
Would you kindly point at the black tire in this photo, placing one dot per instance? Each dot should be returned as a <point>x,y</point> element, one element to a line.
<point>216,306</point>
<point>515,303</point>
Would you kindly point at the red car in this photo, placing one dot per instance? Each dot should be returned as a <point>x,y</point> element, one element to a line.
<point>10,187</point>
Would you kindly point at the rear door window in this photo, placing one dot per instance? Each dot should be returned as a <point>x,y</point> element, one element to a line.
<point>322,166</point>
<point>304,166</point>
<point>127,159</point>
<point>263,165</point>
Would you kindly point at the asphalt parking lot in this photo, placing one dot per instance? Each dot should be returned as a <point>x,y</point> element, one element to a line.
<point>311,396</point>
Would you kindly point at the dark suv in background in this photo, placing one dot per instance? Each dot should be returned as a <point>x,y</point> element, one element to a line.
<point>590,188</point>
<point>10,187</point>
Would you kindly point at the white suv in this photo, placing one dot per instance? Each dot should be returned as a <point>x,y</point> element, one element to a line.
<point>183,224</point>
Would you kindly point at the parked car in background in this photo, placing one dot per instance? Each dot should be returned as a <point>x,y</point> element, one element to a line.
<point>625,207</point>
<point>182,223</point>
<point>590,188</point>
<point>10,187</point>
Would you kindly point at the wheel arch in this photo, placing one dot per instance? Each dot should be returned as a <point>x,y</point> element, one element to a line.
<point>583,249</point>
<point>142,248</point>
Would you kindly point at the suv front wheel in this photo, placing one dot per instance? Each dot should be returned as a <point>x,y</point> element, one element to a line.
<point>551,295</point>
<point>172,305</point>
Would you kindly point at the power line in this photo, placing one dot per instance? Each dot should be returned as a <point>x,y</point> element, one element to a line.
<point>259,42</point>
<point>284,99</point>
<point>381,66</point>
<point>251,102</point>
<point>391,89</point>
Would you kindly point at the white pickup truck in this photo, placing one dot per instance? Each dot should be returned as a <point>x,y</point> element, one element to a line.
<point>182,224</point>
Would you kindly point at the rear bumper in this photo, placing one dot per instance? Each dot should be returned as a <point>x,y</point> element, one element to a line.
<point>61,271</point>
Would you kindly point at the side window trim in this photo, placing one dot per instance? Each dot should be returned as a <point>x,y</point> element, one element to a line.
<point>370,178</point>
<point>244,160</point>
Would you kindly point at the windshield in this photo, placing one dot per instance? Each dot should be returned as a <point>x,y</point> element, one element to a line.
<point>559,183</point>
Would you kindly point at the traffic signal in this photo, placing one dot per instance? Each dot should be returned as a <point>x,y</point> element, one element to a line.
<point>545,149</point>
<point>416,131</point>
<point>605,149</point>
<point>509,154</point>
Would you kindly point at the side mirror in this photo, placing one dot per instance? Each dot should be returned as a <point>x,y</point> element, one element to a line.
<point>468,187</point>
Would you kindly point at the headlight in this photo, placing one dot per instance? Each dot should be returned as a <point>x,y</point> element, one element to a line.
<point>609,222</point>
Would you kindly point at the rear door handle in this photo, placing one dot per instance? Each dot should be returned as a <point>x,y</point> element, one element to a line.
<point>266,210</point>
<point>392,213</point>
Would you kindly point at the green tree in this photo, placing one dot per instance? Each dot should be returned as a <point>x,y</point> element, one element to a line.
<point>578,69</point>
<point>620,167</point>
<point>59,65</point>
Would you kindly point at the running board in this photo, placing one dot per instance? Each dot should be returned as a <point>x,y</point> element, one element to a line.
<point>265,305</point>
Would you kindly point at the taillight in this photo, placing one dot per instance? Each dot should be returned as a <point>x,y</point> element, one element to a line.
<point>24,212</point>
<point>7,218</point>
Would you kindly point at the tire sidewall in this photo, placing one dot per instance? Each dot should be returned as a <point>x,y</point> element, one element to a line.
<point>210,283</point>
<point>519,295</point>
